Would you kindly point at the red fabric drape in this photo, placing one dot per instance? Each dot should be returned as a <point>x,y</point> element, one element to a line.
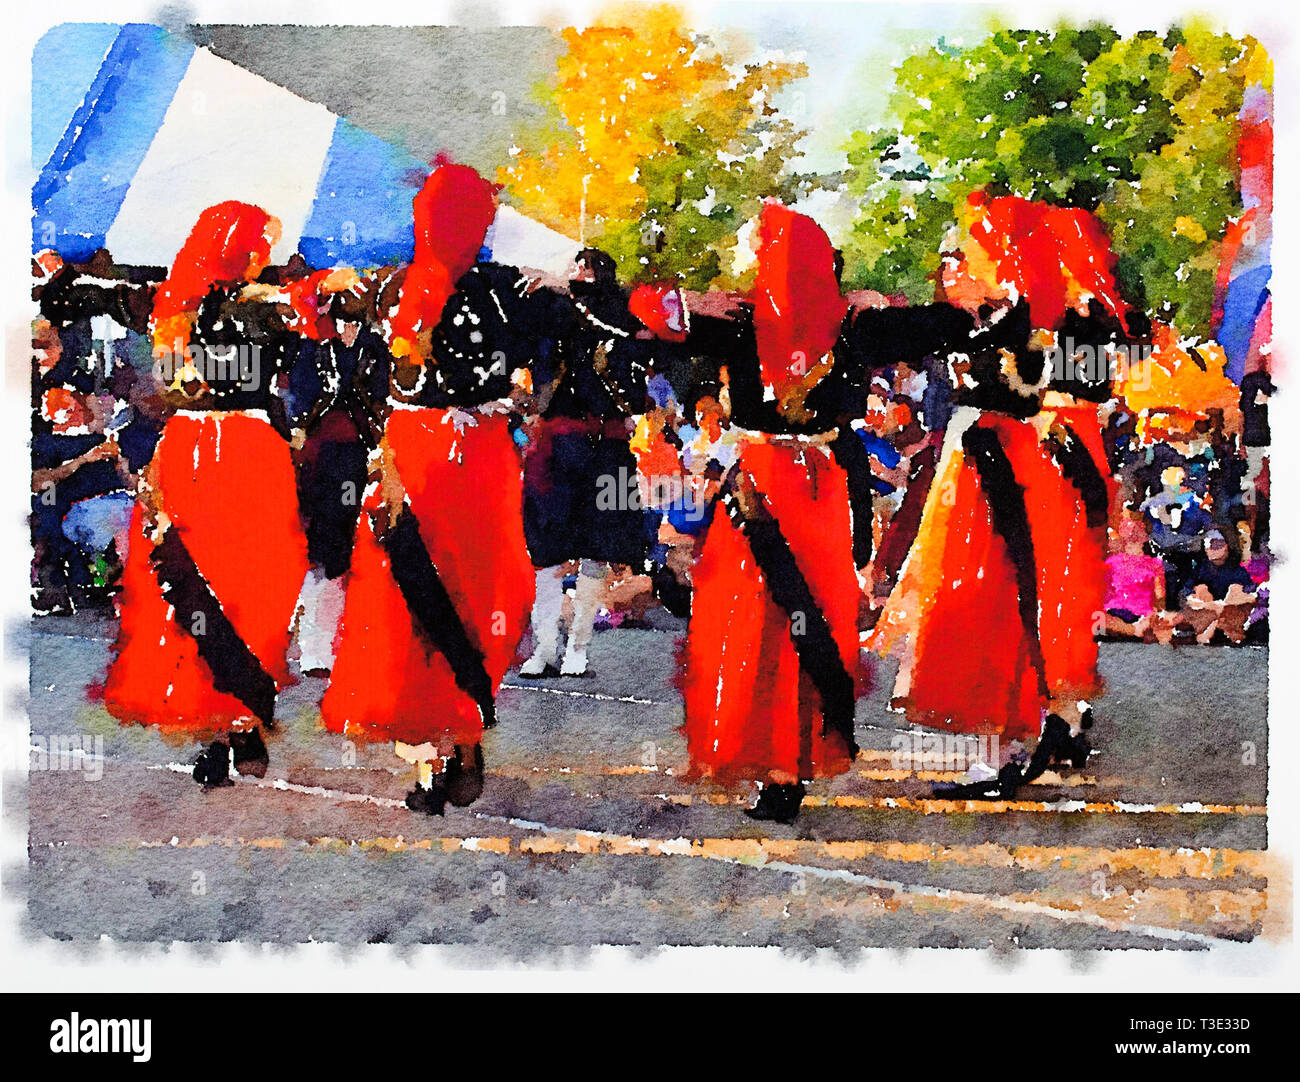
<point>466,489</point>
<point>311,316</point>
<point>1050,254</point>
<point>227,241</point>
<point>751,711</point>
<point>452,214</point>
<point>661,308</point>
<point>228,486</point>
<point>798,307</point>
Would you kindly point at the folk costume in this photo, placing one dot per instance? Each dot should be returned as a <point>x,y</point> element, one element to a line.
<point>338,384</point>
<point>440,582</point>
<point>1019,505</point>
<point>580,469</point>
<point>216,554</point>
<point>972,573</point>
<point>772,652</point>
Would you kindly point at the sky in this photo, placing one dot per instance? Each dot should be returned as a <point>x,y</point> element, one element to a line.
<point>423,90</point>
<point>850,51</point>
<point>411,85</point>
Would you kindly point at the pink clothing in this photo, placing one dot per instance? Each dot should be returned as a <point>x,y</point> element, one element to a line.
<point>1131,582</point>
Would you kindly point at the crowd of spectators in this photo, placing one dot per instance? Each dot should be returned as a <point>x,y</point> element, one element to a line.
<point>1188,538</point>
<point>95,419</point>
<point>1189,555</point>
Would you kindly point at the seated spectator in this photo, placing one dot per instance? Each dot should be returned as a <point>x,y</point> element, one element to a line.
<point>1153,459</point>
<point>660,392</point>
<point>919,453</point>
<point>1120,439</point>
<point>1199,454</point>
<point>657,448</point>
<point>911,381</point>
<point>1135,585</point>
<point>1178,519</point>
<point>74,458</point>
<point>627,596</point>
<point>87,449</point>
<point>880,434</point>
<point>882,422</point>
<point>709,438</point>
<point>1255,559</point>
<point>708,448</point>
<point>1219,595</point>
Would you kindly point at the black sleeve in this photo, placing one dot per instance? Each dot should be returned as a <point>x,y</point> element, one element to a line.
<point>629,369</point>
<point>842,392</point>
<point>730,342</point>
<point>548,320</point>
<point>716,339</point>
<point>856,463</point>
<point>879,337</point>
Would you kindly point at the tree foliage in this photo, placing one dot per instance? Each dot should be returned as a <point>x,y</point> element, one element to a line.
<point>1142,130</point>
<point>661,144</point>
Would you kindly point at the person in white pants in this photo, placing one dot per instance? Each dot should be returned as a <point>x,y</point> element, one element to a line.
<point>547,614</point>
<point>320,608</point>
<point>580,474</point>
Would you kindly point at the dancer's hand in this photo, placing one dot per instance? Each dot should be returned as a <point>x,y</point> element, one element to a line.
<point>461,419</point>
<point>155,519</point>
<point>392,494</point>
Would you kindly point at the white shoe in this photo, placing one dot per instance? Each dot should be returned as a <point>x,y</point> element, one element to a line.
<point>537,665</point>
<point>575,663</point>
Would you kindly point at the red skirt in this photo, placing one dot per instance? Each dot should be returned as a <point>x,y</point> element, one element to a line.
<point>1072,570</point>
<point>970,663</point>
<point>751,712</point>
<point>466,490</point>
<point>227,484</point>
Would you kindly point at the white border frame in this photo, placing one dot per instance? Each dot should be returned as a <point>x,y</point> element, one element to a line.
<point>44,965</point>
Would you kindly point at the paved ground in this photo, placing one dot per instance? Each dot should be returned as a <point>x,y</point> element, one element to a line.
<point>586,832</point>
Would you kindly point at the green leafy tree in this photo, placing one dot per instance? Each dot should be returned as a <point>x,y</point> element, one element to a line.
<point>1142,130</point>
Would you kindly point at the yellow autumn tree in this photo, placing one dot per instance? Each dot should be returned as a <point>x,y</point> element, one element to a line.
<point>662,143</point>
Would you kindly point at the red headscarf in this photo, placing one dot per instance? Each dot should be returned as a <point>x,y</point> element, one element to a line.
<point>1048,253</point>
<point>661,308</point>
<point>311,307</point>
<point>798,308</point>
<point>221,249</point>
<point>452,214</point>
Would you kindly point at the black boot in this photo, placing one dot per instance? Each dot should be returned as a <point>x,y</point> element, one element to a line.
<point>463,781</point>
<point>778,803</point>
<point>249,753</point>
<point>1010,778</point>
<point>428,801</point>
<point>1053,744</point>
<point>212,768</point>
<point>1079,747</point>
<point>1075,752</point>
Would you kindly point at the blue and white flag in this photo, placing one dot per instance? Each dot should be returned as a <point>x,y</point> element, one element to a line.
<point>163,129</point>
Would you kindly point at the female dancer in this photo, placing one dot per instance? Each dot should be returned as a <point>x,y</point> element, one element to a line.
<point>1027,438</point>
<point>769,682</point>
<point>440,583</point>
<point>968,596</point>
<point>216,554</point>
